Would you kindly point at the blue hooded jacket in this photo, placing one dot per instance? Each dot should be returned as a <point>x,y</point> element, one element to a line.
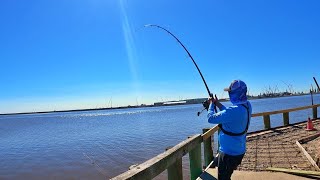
<point>233,119</point>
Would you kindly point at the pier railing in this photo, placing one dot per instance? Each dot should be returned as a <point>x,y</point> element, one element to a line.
<point>285,114</point>
<point>171,159</point>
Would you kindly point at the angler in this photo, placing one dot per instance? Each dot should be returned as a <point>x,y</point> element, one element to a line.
<point>234,123</point>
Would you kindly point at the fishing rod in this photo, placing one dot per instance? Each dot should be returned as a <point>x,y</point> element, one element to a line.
<point>316,83</point>
<point>205,104</point>
<point>311,93</point>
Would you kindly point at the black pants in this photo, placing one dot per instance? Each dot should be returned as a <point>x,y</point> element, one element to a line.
<point>227,164</point>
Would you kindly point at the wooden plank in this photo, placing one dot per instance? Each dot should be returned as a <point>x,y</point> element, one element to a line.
<point>294,171</point>
<point>266,121</point>
<point>158,164</point>
<point>175,170</point>
<point>195,162</point>
<point>309,138</point>
<point>210,132</point>
<point>314,164</point>
<point>211,174</point>
<point>283,111</point>
<point>315,112</point>
<point>286,118</point>
<point>207,149</point>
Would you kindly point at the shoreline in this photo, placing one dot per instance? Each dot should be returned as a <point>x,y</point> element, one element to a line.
<point>198,101</point>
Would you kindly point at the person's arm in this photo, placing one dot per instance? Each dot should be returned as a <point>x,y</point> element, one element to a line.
<point>221,117</point>
<point>217,103</point>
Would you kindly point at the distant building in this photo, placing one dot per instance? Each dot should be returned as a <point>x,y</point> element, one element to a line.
<point>158,104</point>
<point>174,102</point>
<point>195,101</point>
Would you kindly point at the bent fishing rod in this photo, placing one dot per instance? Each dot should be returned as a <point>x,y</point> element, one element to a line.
<point>205,104</point>
<point>316,83</point>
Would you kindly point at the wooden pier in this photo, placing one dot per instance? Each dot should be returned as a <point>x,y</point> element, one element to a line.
<point>277,148</point>
<point>272,147</point>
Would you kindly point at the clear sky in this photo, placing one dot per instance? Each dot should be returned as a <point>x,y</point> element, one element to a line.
<point>71,54</point>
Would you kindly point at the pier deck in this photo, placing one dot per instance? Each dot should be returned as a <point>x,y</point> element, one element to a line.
<point>211,174</point>
<point>275,148</point>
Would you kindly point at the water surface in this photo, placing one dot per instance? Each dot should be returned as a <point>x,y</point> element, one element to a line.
<point>103,144</point>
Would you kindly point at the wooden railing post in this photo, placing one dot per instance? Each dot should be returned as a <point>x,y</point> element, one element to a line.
<point>315,112</point>
<point>195,162</point>
<point>266,120</point>
<point>207,149</point>
<point>286,118</point>
<point>175,169</point>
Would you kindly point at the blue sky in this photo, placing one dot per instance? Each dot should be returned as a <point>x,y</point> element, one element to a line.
<point>85,54</point>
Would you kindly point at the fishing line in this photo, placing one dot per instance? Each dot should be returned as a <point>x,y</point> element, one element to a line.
<point>97,167</point>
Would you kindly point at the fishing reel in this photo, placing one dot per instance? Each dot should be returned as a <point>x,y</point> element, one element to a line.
<point>205,105</point>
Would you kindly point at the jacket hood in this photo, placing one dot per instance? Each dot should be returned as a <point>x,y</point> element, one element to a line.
<point>238,92</point>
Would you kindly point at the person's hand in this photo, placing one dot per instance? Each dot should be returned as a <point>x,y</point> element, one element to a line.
<point>207,103</point>
<point>211,100</point>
